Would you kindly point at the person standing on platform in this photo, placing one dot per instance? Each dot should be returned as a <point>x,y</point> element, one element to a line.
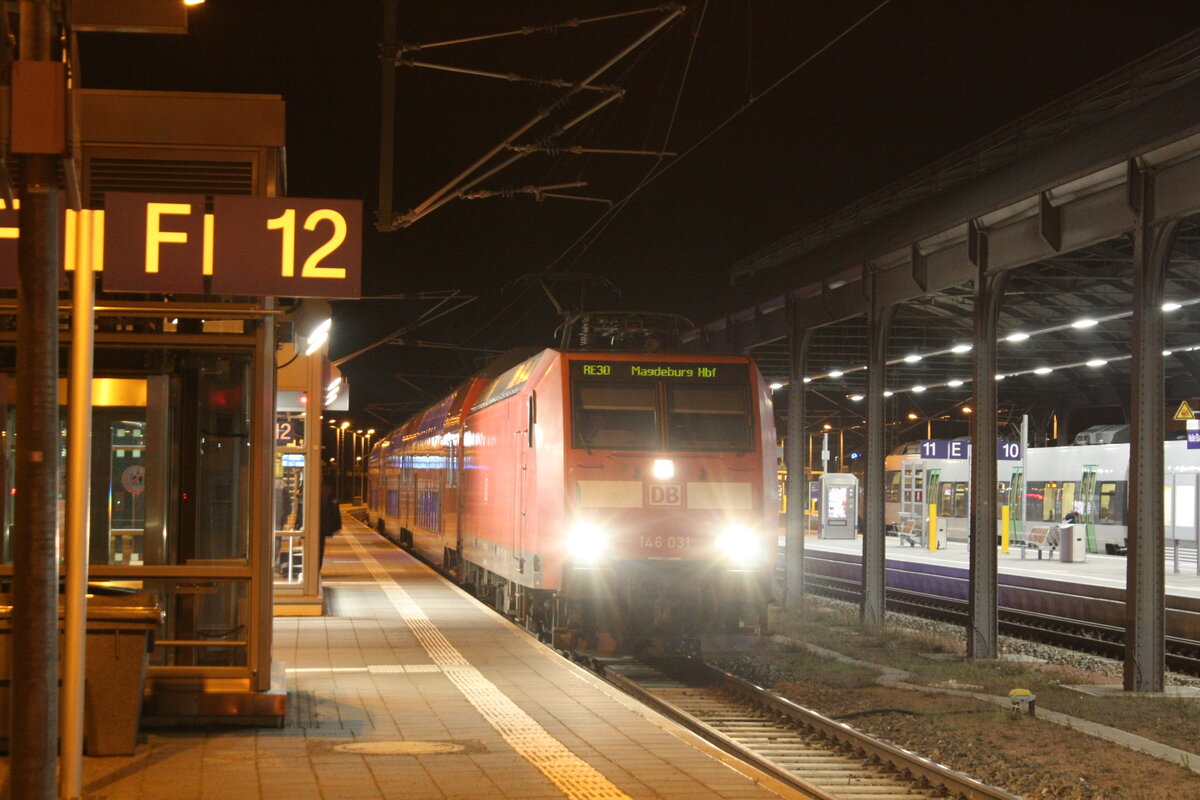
<point>331,516</point>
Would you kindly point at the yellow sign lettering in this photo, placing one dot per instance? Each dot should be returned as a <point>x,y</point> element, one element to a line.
<point>210,223</point>
<point>311,267</point>
<point>155,236</point>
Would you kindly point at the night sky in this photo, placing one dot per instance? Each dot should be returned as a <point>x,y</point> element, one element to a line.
<point>907,83</point>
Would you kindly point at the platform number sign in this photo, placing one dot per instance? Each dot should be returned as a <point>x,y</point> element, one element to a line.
<point>257,246</point>
<point>960,450</point>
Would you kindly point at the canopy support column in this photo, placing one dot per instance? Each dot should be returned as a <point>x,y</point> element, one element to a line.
<point>874,602</point>
<point>983,625</point>
<point>799,341</point>
<point>1145,646</point>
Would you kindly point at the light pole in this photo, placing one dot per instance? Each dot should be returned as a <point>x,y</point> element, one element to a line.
<point>358,435</point>
<point>341,444</point>
<point>366,462</point>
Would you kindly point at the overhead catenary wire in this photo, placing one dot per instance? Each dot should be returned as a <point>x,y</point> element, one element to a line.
<point>606,219</point>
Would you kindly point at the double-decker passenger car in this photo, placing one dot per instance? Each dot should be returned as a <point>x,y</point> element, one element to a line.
<point>594,493</point>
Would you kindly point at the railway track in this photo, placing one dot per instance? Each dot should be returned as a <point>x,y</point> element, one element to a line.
<point>826,759</point>
<point>1082,618</point>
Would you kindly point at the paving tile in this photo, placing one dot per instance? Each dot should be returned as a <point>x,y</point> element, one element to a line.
<point>533,688</point>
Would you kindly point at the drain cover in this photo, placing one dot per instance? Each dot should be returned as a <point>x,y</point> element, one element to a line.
<point>400,748</point>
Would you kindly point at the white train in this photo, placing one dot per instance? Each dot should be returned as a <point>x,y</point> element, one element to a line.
<point>1090,478</point>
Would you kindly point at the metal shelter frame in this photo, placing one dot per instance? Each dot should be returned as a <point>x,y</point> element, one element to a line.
<point>911,299</point>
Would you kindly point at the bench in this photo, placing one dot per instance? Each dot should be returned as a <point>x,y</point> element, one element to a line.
<point>1041,539</point>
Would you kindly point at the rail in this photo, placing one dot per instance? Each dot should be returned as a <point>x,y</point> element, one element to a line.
<point>827,759</point>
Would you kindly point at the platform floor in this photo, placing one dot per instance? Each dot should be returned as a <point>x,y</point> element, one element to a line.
<point>404,666</point>
<point>1097,569</point>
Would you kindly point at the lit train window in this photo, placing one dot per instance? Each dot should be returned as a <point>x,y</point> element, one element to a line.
<point>1111,498</point>
<point>891,486</point>
<point>1049,509</point>
<point>709,418</point>
<point>961,499</point>
<point>616,417</point>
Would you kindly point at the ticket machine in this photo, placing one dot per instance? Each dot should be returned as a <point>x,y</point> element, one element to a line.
<point>838,505</point>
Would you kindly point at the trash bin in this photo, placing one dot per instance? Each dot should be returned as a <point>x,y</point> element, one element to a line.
<point>120,635</point>
<point>1072,546</point>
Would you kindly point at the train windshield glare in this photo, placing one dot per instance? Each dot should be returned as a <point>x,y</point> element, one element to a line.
<point>616,417</point>
<point>708,418</point>
<point>688,407</point>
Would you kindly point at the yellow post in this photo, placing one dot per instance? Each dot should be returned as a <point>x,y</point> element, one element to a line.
<point>1005,525</point>
<point>932,526</point>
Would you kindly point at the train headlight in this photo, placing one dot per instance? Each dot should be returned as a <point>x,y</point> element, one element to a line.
<point>739,544</point>
<point>586,542</point>
<point>663,469</point>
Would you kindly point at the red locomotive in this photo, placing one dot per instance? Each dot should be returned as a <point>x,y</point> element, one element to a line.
<point>589,494</point>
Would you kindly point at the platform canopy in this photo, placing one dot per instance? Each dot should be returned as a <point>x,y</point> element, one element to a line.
<point>1047,199</point>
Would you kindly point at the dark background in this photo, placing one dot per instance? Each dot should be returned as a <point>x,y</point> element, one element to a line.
<point>907,83</point>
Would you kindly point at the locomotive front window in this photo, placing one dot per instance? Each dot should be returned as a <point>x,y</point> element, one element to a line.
<point>709,418</point>
<point>616,417</point>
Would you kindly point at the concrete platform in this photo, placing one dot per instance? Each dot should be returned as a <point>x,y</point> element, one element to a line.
<point>1097,569</point>
<point>407,688</point>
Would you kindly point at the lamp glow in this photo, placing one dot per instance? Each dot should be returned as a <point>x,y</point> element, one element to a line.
<point>586,542</point>
<point>738,544</point>
<point>663,469</point>
<point>318,337</point>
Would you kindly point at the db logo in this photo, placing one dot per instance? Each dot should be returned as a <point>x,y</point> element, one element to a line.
<point>666,494</point>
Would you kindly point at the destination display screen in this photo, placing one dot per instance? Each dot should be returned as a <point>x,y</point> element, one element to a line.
<point>625,371</point>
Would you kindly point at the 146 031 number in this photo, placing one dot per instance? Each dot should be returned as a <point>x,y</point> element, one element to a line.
<point>669,542</point>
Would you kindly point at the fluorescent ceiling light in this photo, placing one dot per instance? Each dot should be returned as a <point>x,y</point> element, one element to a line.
<point>912,358</point>
<point>1042,371</point>
<point>954,383</point>
<point>835,373</point>
<point>962,348</point>
<point>1097,362</point>
<point>1016,337</point>
<point>1086,322</point>
<point>918,388</point>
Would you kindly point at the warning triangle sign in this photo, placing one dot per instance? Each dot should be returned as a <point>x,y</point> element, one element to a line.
<point>1185,411</point>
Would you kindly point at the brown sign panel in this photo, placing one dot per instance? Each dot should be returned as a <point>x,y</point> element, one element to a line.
<point>287,246</point>
<point>155,243</point>
<point>9,228</point>
<point>8,249</point>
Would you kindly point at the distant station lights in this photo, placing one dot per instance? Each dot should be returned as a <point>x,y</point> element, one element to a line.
<point>1016,337</point>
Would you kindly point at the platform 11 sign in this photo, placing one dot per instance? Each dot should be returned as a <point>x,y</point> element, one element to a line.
<point>960,449</point>
<point>256,246</point>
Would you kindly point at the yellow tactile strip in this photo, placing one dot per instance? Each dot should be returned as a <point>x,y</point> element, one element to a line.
<point>571,774</point>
